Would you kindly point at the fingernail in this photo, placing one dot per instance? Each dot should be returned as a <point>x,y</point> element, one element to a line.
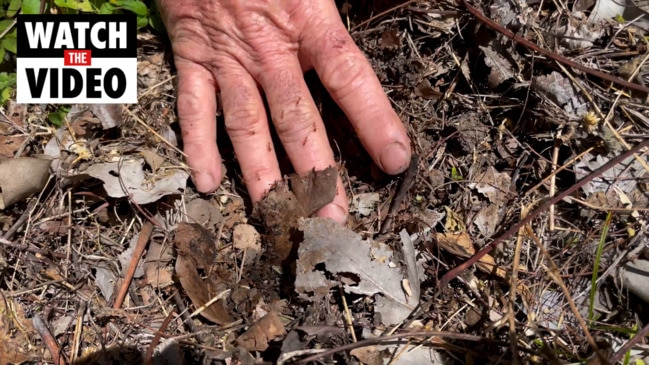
<point>205,182</point>
<point>333,211</point>
<point>394,158</point>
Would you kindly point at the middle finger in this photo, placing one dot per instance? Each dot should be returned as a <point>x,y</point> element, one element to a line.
<point>299,125</point>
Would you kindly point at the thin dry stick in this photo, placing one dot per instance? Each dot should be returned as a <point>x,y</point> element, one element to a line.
<point>553,273</point>
<point>348,315</point>
<point>148,356</point>
<point>513,339</point>
<point>68,247</point>
<point>76,341</point>
<point>553,179</point>
<point>142,240</point>
<point>452,274</point>
<point>48,340</point>
<point>384,339</point>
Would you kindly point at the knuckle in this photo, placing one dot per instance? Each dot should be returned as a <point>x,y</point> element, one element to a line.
<point>242,121</point>
<point>345,73</point>
<point>295,121</point>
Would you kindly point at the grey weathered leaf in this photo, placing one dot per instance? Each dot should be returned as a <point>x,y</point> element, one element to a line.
<point>127,178</point>
<point>110,115</point>
<point>501,68</point>
<point>345,254</point>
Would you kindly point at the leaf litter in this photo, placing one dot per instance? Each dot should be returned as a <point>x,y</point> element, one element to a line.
<point>490,123</point>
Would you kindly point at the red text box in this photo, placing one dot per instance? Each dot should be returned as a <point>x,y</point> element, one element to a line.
<point>77,57</point>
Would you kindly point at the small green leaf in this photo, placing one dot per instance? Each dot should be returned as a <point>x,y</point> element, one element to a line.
<point>79,5</point>
<point>455,174</point>
<point>57,118</point>
<point>8,42</point>
<point>14,7</point>
<point>2,54</point>
<point>4,24</point>
<point>135,6</point>
<point>142,22</point>
<point>107,8</point>
<point>7,80</point>
<point>155,21</point>
<point>6,95</point>
<point>31,6</point>
<point>7,86</point>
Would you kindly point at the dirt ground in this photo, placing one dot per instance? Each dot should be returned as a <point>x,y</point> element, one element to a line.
<point>529,126</point>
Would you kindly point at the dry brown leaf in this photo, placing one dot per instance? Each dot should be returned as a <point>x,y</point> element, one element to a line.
<point>280,211</point>
<point>9,144</point>
<point>246,237</point>
<point>204,212</point>
<point>501,67</point>
<point>22,177</point>
<point>368,355</point>
<point>257,337</point>
<point>460,245</point>
<point>15,331</point>
<point>493,185</point>
<point>315,190</point>
<point>156,268</point>
<point>127,178</point>
<point>152,159</point>
<point>281,208</point>
<point>390,40</point>
<point>196,249</point>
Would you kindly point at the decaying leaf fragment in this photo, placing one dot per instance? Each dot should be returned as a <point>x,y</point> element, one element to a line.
<point>284,205</point>
<point>461,245</point>
<point>196,249</point>
<point>315,190</point>
<point>366,266</point>
<point>495,187</point>
<point>501,68</point>
<point>21,177</point>
<point>257,337</point>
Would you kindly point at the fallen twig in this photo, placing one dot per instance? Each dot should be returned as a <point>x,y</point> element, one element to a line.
<point>142,240</point>
<point>48,339</point>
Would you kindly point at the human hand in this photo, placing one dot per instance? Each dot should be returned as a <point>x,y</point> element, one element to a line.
<point>242,47</point>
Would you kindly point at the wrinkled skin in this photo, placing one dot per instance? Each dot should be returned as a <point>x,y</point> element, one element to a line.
<point>244,48</point>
